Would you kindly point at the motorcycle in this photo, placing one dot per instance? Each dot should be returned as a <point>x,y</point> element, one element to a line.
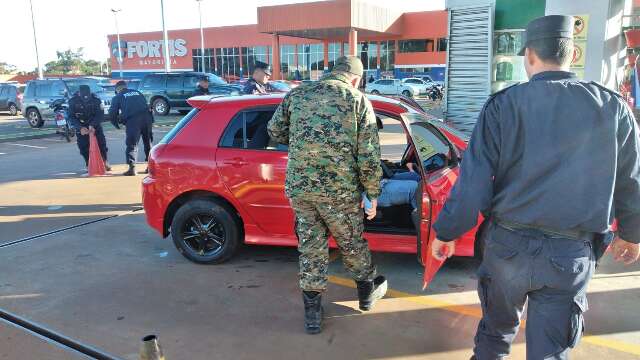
<point>61,109</point>
<point>435,93</point>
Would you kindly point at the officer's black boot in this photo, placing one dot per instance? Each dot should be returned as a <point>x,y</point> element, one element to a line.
<point>131,171</point>
<point>371,291</point>
<point>312,311</point>
<point>107,167</point>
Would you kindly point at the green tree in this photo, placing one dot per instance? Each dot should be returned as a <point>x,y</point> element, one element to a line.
<point>7,68</point>
<point>72,62</point>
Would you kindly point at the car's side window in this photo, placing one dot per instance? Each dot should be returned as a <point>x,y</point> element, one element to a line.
<point>154,81</point>
<point>58,89</point>
<point>3,91</point>
<point>174,82</point>
<point>190,82</point>
<point>31,90</point>
<point>43,89</point>
<point>248,130</point>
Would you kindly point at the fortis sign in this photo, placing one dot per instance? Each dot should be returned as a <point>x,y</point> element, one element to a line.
<point>148,54</point>
<point>152,48</point>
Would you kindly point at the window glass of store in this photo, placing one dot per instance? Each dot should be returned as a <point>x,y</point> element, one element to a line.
<point>409,46</point>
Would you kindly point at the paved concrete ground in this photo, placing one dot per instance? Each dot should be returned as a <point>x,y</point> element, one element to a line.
<point>19,344</point>
<point>111,282</point>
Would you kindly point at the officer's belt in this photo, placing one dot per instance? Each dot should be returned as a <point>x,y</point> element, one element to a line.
<point>549,232</point>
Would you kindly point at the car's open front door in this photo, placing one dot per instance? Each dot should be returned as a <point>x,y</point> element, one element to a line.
<point>437,159</point>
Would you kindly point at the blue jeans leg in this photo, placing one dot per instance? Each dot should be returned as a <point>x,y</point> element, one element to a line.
<point>398,192</point>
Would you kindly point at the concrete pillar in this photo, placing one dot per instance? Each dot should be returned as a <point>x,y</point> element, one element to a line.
<point>353,42</point>
<point>325,45</point>
<point>275,48</point>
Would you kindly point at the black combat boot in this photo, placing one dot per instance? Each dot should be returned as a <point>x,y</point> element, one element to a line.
<point>371,291</point>
<point>131,171</point>
<point>107,167</point>
<point>312,311</point>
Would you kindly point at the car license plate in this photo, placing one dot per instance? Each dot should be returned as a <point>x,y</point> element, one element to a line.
<point>61,122</point>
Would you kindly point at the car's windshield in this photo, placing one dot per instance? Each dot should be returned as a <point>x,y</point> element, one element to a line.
<point>74,85</point>
<point>216,80</point>
<point>279,86</point>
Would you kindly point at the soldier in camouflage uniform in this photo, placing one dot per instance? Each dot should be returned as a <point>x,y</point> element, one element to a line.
<point>334,156</point>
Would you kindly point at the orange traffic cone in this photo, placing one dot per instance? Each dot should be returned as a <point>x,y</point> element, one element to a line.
<point>96,163</point>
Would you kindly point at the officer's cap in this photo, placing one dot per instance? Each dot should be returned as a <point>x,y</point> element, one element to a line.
<point>264,67</point>
<point>349,64</point>
<point>121,83</point>
<point>548,27</point>
<point>204,78</point>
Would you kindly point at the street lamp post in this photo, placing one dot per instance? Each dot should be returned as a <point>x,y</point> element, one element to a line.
<point>115,16</point>
<point>167,64</point>
<point>35,41</point>
<point>201,35</point>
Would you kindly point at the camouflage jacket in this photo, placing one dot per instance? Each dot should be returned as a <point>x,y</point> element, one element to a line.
<point>334,150</point>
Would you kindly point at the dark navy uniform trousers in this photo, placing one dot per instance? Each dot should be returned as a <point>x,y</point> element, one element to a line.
<point>550,273</point>
<point>138,127</point>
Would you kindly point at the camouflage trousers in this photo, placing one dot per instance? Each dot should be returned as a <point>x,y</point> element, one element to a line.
<point>315,220</point>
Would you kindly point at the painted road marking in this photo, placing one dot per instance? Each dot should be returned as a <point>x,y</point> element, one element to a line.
<point>29,146</point>
<point>477,313</point>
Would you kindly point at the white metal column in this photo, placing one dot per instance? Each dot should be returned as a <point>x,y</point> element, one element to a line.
<point>468,75</point>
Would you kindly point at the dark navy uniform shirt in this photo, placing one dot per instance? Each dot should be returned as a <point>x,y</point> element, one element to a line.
<point>91,108</point>
<point>129,104</point>
<point>554,152</point>
<point>253,87</point>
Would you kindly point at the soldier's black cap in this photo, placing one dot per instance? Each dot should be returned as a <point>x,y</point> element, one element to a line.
<point>548,27</point>
<point>264,67</point>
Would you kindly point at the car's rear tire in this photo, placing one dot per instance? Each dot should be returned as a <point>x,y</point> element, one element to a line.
<point>206,231</point>
<point>407,93</point>
<point>13,110</point>
<point>375,92</point>
<point>34,118</point>
<point>160,107</point>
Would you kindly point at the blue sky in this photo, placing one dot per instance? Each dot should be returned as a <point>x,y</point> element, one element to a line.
<point>63,24</point>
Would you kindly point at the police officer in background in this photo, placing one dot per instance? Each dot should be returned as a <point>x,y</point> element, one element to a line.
<point>326,174</point>
<point>86,115</point>
<point>203,87</point>
<point>129,107</point>
<point>550,163</point>
<point>257,83</point>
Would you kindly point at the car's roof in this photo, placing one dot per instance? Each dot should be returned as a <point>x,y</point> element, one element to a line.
<point>272,98</point>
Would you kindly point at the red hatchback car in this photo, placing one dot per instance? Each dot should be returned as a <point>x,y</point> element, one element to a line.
<point>216,180</point>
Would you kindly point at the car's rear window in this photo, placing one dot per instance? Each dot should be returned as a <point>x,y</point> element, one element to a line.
<point>181,124</point>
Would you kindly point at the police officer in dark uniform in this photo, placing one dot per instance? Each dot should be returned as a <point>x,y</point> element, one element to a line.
<point>203,87</point>
<point>129,107</point>
<point>550,163</point>
<point>86,115</point>
<point>257,84</point>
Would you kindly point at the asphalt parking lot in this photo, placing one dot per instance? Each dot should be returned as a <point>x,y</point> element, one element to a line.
<point>111,280</point>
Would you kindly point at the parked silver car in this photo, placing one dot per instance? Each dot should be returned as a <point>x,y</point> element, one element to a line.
<point>39,94</point>
<point>392,87</point>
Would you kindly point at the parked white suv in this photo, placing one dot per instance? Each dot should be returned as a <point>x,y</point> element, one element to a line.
<point>392,87</point>
<point>423,85</point>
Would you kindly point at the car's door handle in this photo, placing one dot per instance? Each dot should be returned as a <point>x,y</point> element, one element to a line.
<point>238,162</point>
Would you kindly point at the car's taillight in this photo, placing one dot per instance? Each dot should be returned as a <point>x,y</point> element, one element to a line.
<point>59,116</point>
